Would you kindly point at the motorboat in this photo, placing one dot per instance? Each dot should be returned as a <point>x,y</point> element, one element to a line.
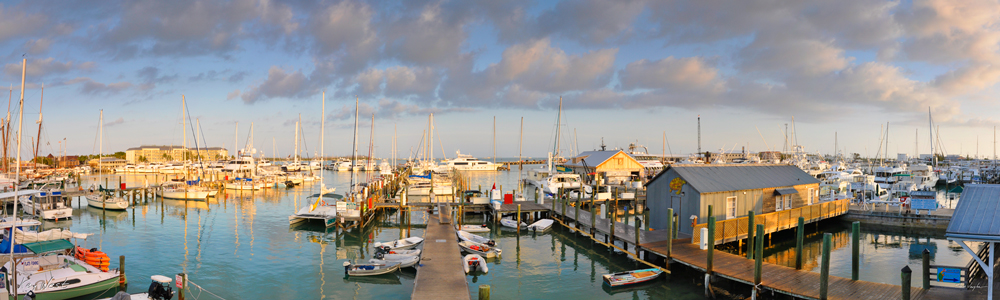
<point>541,225</point>
<point>465,162</point>
<point>511,223</point>
<point>47,204</point>
<point>387,252</point>
<point>323,209</point>
<point>59,276</point>
<point>481,249</point>
<point>473,263</point>
<point>404,261</point>
<point>475,228</point>
<point>631,277</point>
<point>370,269</point>
<point>403,244</point>
<point>466,236</point>
<point>159,289</point>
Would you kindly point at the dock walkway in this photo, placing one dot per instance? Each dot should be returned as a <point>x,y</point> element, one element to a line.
<point>441,275</point>
<point>785,280</point>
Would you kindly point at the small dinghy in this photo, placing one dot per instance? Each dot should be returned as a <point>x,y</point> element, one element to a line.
<point>407,243</point>
<point>631,277</point>
<point>481,249</point>
<point>510,223</point>
<point>466,236</point>
<point>474,262</point>
<point>475,228</point>
<point>370,269</point>
<point>385,250</point>
<point>404,261</point>
<point>541,225</point>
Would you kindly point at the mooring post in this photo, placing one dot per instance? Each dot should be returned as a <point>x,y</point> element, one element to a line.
<point>593,217</point>
<point>670,230</point>
<point>518,218</point>
<point>576,217</point>
<point>484,292</point>
<point>824,271</point>
<point>711,251</point>
<point>182,284</point>
<point>645,215</point>
<point>855,249</point>
<point>926,278</point>
<point>636,236</point>
<point>799,237</point>
<point>562,198</point>
<point>750,235</point>
<point>614,212</point>
<point>758,258</point>
<point>121,272</point>
<point>906,275</point>
<point>627,214</point>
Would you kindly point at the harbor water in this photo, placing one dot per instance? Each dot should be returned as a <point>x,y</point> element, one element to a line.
<point>240,246</point>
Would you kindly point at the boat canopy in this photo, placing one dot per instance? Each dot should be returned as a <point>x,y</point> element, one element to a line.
<point>49,246</point>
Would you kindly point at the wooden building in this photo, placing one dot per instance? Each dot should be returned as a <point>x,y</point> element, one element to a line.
<point>732,189</point>
<point>615,166</point>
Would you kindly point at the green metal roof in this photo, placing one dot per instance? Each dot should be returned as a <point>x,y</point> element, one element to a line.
<point>49,246</point>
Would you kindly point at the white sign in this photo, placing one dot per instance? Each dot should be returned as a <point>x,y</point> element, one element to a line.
<point>179,280</point>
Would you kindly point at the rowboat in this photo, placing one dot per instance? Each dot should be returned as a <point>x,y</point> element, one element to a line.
<point>404,261</point>
<point>407,243</point>
<point>510,223</point>
<point>466,236</point>
<point>370,269</point>
<point>474,262</point>
<point>481,249</point>
<point>631,277</point>
<point>541,225</point>
<point>475,228</point>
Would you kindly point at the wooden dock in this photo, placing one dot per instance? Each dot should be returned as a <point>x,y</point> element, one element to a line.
<point>785,280</point>
<point>440,275</point>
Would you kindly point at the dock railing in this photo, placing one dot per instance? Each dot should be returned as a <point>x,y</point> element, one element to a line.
<point>736,229</point>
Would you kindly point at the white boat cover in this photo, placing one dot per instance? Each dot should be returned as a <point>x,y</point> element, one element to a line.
<point>48,235</point>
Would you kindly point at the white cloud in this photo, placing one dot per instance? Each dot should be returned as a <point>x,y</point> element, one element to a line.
<point>46,66</point>
<point>279,84</point>
<point>670,73</point>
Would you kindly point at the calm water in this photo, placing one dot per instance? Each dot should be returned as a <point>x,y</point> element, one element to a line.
<point>240,246</point>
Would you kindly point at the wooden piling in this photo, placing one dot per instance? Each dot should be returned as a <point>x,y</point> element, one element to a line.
<point>121,272</point>
<point>711,243</point>
<point>614,211</point>
<point>855,250</point>
<point>484,292</point>
<point>518,218</point>
<point>670,230</point>
<point>824,271</point>
<point>576,216</point>
<point>926,274</point>
<point>799,237</point>
<point>637,242</point>
<point>758,253</point>
<point>750,235</point>
<point>906,275</point>
<point>182,285</point>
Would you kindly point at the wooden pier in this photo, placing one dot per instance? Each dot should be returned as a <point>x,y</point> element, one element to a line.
<point>441,275</point>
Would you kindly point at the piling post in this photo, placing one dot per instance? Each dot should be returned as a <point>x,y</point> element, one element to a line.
<point>637,236</point>
<point>645,216</point>
<point>711,244</point>
<point>484,292</point>
<point>121,272</point>
<point>750,235</point>
<point>613,211</point>
<point>182,285</point>
<point>670,230</point>
<point>625,219</point>
<point>758,259</point>
<point>576,217</point>
<point>562,198</point>
<point>855,250</point>
<point>824,271</point>
<point>518,218</point>
<point>926,278</point>
<point>799,237</point>
<point>906,275</point>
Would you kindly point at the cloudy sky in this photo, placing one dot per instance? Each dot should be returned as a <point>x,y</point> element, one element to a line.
<point>627,71</point>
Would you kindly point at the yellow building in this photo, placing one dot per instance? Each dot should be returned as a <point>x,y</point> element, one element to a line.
<point>615,166</point>
<point>172,153</point>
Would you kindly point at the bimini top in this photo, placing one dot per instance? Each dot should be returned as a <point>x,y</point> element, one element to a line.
<point>710,178</point>
<point>977,216</point>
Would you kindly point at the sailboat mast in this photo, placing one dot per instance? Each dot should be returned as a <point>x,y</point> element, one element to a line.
<point>322,133</point>
<point>17,176</point>
<point>183,127</point>
<point>354,156</point>
<point>520,144</point>
<point>555,149</point>
<point>236,140</point>
<point>494,139</point>
<point>295,156</point>
<point>38,141</point>
<point>930,124</point>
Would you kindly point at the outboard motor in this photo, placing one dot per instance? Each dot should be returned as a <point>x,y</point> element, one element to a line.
<point>491,243</point>
<point>474,264</point>
<point>382,249</point>
<point>160,292</point>
<point>379,255</point>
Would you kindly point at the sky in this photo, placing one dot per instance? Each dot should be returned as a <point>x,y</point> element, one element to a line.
<point>835,73</point>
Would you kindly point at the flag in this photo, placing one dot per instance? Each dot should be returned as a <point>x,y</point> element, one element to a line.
<point>494,186</point>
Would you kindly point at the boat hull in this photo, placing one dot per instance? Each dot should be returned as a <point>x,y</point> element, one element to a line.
<point>631,277</point>
<point>119,204</point>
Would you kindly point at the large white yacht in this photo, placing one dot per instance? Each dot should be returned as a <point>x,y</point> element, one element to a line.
<point>465,162</point>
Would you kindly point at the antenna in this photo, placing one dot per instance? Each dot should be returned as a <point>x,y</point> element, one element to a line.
<point>699,137</point>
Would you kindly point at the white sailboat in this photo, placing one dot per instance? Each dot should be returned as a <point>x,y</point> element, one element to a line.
<point>100,197</point>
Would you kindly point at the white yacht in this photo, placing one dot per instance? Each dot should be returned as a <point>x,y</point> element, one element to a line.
<point>47,204</point>
<point>465,162</point>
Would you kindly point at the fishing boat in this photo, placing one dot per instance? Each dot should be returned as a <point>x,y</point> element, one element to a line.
<point>510,223</point>
<point>59,276</point>
<point>404,261</point>
<point>541,225</point>
<point>404,244</point>
<point>475,228</point>
<point>466,236</point>
<point>481,249</point>
<point>631,277</point>
<point>473,263</point>
<point>370,269</point>
<point>47,205</point>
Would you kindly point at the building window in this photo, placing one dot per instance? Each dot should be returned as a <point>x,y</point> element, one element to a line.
<point>778,201</point>
<point>788,201</point>
<point>811,199</point>
<point>730,207</point>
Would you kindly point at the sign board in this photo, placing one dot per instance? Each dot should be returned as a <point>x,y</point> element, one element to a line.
<point>341,206</point>
<point>949,275</point>
<point>179,280</point>
<point>918,203</point>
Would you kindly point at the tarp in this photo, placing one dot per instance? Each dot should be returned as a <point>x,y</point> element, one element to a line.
<point>49,246</point>
<point>48,235</point>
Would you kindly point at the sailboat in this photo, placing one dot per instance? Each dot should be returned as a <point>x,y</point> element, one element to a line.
<point>320,209</point>
<point>100,197</point>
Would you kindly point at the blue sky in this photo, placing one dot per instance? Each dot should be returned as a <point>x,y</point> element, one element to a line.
<point>628,71</point>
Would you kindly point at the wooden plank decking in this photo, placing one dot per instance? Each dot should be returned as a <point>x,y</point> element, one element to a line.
<point>799,283</point>
<point>440,275</point>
